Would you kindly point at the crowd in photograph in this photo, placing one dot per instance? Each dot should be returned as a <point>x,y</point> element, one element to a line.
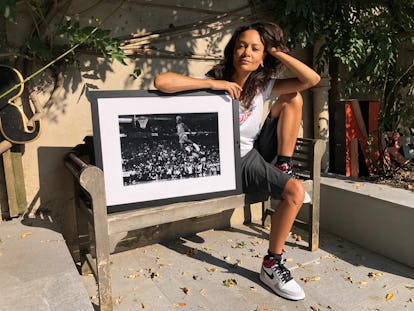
<point>146,160</point>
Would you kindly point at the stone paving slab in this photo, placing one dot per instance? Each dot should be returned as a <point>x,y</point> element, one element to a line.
<point>37,272</point>
<point>218,270</point>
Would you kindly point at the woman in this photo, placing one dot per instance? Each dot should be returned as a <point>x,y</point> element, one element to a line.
<point>252,59</point>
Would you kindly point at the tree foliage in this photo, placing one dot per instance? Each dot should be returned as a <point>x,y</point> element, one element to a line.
<point>366,38</point>
<point>56,37</point>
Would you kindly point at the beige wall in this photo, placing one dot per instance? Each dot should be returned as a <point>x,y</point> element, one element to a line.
<point>67,116</point>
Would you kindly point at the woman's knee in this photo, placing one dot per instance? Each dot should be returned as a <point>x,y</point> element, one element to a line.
<point>293,99</point>
<point>294,192</point>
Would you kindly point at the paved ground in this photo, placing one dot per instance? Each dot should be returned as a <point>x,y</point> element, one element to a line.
<point>217,270</point>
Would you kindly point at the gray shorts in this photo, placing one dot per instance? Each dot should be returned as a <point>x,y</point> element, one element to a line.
<point>261,176</point>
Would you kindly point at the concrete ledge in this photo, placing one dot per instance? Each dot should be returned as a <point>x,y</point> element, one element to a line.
<point>37,271</point>
<point>377,217</point>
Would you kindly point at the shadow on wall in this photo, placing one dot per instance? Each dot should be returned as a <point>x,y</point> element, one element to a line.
<point>55,195</point>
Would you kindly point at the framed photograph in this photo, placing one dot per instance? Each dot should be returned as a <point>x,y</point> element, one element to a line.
<point>156,148</point>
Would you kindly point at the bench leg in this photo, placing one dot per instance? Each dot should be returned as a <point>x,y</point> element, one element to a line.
<point>266,213</point>
<point>314,227</point>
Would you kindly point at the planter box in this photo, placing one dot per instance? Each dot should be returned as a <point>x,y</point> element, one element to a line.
<point>377,217</point>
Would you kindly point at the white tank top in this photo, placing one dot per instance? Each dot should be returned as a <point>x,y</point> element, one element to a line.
<point>251,119</point>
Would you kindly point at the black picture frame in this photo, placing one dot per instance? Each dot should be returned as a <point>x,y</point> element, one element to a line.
<point>148,156</point>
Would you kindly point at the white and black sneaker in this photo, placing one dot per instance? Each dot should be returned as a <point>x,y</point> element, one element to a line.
<point>287,168</point>
<point>275,275</point>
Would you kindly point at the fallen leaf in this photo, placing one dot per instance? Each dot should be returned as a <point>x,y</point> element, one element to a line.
<point>239,245</point>
<point>389,296</point>
<point>356,186</point>
<point>118,300</point>
<point>373,275</point>
<point>237,263</point>
<point>182,304</point>
<point>212,269</point>
<point>311,278</point>
<point>142,305</point>
<point>257,256</point>
<point>154,275</point>
<point>226,258</point>
<point>410,287</point>
<point>186,290</point>
<point>133,276</point>
<point>350,279</point>
<point>195,277</point>
<point>297,237</point>
<point>24,235</point>
<point>230,282</point>
<point>192,251</point>
<point>202,292</point>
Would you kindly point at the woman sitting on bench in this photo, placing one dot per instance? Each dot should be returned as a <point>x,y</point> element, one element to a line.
<point>252,59</point>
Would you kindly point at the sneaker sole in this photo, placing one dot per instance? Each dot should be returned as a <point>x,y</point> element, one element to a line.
<point>279,293</point>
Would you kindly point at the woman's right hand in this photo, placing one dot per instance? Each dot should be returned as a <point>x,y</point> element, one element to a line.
<point>232,88</point>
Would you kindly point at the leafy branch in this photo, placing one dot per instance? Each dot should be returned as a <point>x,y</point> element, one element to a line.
<point>94,36</point>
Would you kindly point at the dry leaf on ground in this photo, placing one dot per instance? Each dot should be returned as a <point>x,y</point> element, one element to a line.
<point>389,296</point>
<point>118,300</point>
<point>374,274</point>
<point>191,251</point>
<point>230,282</point>
<point>24,235</point>
<point>311,278</point>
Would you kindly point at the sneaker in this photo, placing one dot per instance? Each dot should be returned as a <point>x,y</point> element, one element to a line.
<point>287,169</point>
<point>275,275</point>
<point>307,198</point>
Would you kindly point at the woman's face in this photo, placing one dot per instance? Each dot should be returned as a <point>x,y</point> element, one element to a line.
<point>249,52</point>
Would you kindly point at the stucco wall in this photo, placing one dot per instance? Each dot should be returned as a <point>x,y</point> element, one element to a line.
<point>67,117</point>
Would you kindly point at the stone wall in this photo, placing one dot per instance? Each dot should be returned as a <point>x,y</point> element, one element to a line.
<point>182,36</point>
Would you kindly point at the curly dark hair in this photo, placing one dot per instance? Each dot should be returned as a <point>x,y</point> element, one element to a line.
<point>271,35</point>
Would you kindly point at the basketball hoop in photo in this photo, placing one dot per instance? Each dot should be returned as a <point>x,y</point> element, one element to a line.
<point>142,120</point>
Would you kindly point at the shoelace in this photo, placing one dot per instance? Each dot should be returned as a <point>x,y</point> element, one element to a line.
<point>282,272</point>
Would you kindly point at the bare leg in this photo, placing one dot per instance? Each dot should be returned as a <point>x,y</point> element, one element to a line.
<point>285,214</point>
<point>288,107</point>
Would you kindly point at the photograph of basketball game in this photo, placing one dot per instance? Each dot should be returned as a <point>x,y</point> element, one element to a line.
<point>155,148</point>
<point>162,147</point>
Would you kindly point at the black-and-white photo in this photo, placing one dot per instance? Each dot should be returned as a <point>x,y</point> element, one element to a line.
<point>160,147</point>
<point>156,148</point>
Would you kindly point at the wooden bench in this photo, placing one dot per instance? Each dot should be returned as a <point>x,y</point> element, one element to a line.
<point>91,210</point>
